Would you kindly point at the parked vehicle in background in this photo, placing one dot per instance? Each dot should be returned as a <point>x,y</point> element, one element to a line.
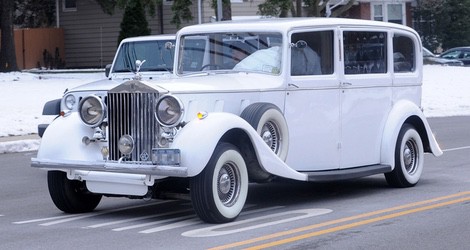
<point>157,57</point>
<point>431,58</point>
<point>307,99</point>
<point>460,53</point>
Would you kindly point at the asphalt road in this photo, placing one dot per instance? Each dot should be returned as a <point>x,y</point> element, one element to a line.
<point>357,214</point>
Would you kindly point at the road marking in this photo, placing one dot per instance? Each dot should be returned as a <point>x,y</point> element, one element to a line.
<point>44,219</point>
<point>359,223</point>
<point>154,223</point>
<point>137,218</point>
<point>67,218</point>
<point>255,223</point>
<point>179,224</point>
<point>351,218</point>
<point>192,221</point>
<point>455,149</point>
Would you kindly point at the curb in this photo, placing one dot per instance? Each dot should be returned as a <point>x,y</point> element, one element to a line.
<point>19,137</point>
<point>16,144</point>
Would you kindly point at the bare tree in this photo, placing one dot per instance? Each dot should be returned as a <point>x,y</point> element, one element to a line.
<point>7,50</point>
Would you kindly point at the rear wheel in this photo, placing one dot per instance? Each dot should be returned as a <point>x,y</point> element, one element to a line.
<point>70,196</point>
<point>219,192</point>
<point>409,156</point>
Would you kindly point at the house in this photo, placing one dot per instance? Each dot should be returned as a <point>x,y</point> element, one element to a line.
<point>90,35</point>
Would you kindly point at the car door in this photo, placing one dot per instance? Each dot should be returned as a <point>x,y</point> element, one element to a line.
<point>365,96</point>
<point>312,99</point>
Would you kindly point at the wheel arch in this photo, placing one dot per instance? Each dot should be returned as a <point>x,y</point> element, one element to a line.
<point>406,112</point>
<point>198,139</point>
<point>240,139</point>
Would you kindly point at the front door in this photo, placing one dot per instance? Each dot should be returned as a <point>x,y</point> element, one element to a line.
<point>312,99</point>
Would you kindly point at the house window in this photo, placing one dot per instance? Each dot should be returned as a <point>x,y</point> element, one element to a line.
<point>378,15</point>
<point>393,13</point>
<point>69,5</point>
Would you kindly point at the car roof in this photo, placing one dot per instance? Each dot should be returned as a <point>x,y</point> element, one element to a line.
<point>285,24</point>
<point>150,38</point>
<point>459,48</point>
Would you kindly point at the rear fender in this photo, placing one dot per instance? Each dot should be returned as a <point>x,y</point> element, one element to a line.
<point>406,112</point>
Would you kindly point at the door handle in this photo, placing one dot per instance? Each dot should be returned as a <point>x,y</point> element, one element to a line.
<point>345,84</point>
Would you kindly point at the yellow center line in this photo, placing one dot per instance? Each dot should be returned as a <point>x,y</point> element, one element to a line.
<point>346,219</point>
<point>356,224</point>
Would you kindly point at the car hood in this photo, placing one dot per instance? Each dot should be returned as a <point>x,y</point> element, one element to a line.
<point>438,60</point>
<point>238,82</point>
<point>109,83</point>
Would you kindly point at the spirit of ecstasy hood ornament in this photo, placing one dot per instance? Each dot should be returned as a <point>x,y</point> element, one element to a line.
<point>138,64</point>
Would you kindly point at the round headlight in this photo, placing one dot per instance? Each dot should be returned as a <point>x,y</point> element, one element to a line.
<point>92,110</point>
<point>69,101</point>
<point>126,144</point>
<point>169,111</point>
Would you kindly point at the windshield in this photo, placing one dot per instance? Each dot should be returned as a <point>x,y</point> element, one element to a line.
<point>427,53</point>
<point>227,52</point>
<point>157,56</point>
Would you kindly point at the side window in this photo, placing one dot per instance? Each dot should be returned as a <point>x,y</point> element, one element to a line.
<point>403,54</point>
<point>312,53</point>
<point>365,52</point>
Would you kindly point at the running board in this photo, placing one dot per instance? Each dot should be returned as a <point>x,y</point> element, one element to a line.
<point>349,173</point>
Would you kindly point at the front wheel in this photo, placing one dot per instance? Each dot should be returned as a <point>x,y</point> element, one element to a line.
<point>219,192</point>
<point>70,196</point>
<point>409,156</point>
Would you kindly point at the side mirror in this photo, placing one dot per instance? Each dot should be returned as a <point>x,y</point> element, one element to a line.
<point>169,45</point>
<point>300,44</point>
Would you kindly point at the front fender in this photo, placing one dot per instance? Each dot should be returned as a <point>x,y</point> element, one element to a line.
<point>400,113</point>
<point>63,140</point>
<point>198,139</point>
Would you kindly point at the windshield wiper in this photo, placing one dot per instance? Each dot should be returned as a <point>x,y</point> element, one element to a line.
<point>156,69</point>
<point>122,70</point>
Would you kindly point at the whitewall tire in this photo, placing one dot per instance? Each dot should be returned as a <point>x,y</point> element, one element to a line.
<point>219,192</point>
<point>409,157</point>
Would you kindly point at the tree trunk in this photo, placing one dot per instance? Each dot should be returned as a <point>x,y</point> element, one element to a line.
<point>7,50</point>
<point>226,10</point>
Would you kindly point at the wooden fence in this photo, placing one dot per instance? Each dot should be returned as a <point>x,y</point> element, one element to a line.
<point>42,47</point>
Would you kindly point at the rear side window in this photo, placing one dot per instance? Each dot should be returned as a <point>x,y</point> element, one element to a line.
<point>403,54</point>
<point>312,53</point>
<point>365,52</point>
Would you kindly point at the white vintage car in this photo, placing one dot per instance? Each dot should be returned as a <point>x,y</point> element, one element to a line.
<point>311,99</point>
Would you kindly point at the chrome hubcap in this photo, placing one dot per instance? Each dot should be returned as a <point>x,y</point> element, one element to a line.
<point>228,184</point>
<point>270,135</point>
<point>224,183</point>
<point>410,156</point>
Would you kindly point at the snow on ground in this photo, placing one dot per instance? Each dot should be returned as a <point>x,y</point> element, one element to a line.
<point>446,92</point>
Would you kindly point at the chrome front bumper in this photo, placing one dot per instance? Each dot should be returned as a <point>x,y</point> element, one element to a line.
<point>114,167</point>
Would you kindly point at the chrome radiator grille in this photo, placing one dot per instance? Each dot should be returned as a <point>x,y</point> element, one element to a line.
<point>132,113</point>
